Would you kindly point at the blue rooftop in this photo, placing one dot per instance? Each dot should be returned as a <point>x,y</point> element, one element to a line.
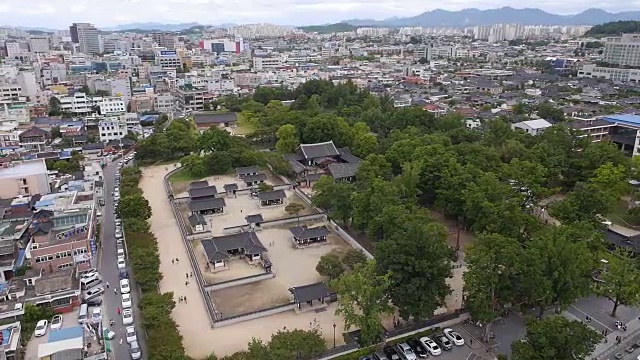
<point>66,334</point>
<point>633,120</point>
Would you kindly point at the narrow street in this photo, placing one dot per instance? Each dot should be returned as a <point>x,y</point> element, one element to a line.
<point>110,274</point>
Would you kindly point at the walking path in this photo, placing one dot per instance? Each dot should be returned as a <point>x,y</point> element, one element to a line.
<point>607,350</point>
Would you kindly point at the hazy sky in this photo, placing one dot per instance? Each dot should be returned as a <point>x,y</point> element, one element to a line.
<point>60,14</point>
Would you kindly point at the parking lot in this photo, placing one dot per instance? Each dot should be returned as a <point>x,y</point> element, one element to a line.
<point>69,320</point>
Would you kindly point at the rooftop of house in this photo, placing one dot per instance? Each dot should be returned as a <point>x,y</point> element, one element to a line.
<point>217,248</point>
<point>23,169</point>
<point>318,150</point>
<point>214,118</point>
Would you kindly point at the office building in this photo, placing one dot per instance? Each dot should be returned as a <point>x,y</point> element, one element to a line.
<point>109,105</point>
<point>26,178</point>
<point>12,48</point>
<point>622,50</point>
<point>609,73</point>
<point>77,104</point>
<point>168,59</point>
<point>86,36</point>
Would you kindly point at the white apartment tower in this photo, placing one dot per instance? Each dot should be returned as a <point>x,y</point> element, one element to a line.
<point>622,50</point>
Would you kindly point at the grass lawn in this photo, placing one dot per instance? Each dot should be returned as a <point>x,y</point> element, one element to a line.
<point>181,176</point>
<point>244,126</point>
<point>619,215</point>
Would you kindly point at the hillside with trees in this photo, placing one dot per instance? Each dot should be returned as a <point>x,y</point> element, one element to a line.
<point>489,180</point>
<point>329,29</point>
<point>614,28</point>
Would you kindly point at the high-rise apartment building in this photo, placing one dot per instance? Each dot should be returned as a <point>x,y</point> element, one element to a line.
<point>622,50</point>
<point>39,44</point>
<point>86,35</point>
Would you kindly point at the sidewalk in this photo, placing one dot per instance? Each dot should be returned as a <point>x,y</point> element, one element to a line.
<point>606,350</point>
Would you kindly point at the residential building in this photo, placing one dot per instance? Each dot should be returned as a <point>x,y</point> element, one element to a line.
<point>10,92</point>
<point>165,40</point>
<point>12,48</point>
<point>596,129</point>
<point>115,87</point>
<point>39,44</point>
<point>14,112</point>
<point>34,139</point>
<point>110,105</point>
<point>622,50</point>
<point>164,103</point>
<point>113,127</point>
<point>190,99</point>
<point>62,239</point>
<point>141,103</point>
<point>9,141</point>
<point>24,178</point>
<point>533,127</point>
<point>86,36</point>
<point>262,63</point>
<point>78,104</point>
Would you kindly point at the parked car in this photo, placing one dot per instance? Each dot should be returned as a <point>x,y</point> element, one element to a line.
<point>122,264</point>
<point>124,286</point>
<point>131,334</point>
<point>391,352</point>
<point>443,342</point>
<point>94,302</point>
<point>96,314</point>
<point>118,234</point>
<point>89,273</point>
<point>126,301</point>
<point>405,351</point>
<point>92,293</point>
<point>379,355</point>
<point>418,348</point>
<point>56,322</point>
<point>127,317</point>
<point>454,336</point>
<point>366,357</point>
<point>41,328</point>
<point>431,346</point>
<point>123,274</point>
<point>136,353</point>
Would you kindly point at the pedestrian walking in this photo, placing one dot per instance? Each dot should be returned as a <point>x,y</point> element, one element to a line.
<point>186,283</point>
<point>470,341</point>
<point>185,299</point>
<point>177,260</point>
<point>187,275</point>
<point>107,283</point>
<point>115,291</point>
<point>173,262</point>
<point>118,310</point>
<point>179,299</point>
<point>191,274</point>
<point>120,341</point>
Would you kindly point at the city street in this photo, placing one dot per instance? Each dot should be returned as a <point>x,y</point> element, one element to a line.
<point>110,274</point>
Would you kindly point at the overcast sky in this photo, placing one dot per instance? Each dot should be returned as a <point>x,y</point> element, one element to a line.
<point>59,14</point>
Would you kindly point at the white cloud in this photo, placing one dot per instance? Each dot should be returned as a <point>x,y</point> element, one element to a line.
<point>61,13</point>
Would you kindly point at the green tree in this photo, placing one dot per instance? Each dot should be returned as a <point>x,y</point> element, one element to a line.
<point>136,225</point>
<point>353,257</point>
<point>163,338</point>
<point>194,164</point>
<point>214,139</point>
<point>55,132</point>
<point>297,344</point>
<point>620,280</point>
<point>491,280</point>
<point>557,269</point>
<point>556,338</point>
<point>330,265</point>
<point>419,262</point>
<point>294,209</point>
<point>288,139</point>
<point>135,206</point>
<point>363,300</point>
<point>369,202</point>
<point>55,106</point>
<point>85,89</point>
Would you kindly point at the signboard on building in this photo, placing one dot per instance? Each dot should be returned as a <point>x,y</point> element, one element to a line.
<point>168,52</point>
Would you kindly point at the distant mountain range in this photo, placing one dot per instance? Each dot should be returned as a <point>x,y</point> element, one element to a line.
<point>504,15</point>
<point>434,18</point>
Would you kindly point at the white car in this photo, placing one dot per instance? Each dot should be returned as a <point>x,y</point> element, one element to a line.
<point>124,286</point>
<point>127,317</point>
<point>135,351</point>
<point>453,336</point>
<point>96,314</point>
<point>431,346</point>
<point>118,234</point>
<point>121,263</point>
<point>131,334</point>
<point>89,273</point>
<point>117,222</point>
<point>56,322</point>
<point>41,328</point>
<point>406,352</point>
<point>126,301</point>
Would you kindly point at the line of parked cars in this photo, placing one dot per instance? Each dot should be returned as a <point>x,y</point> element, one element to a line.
<point>414,349</point>
<point>121,263</point>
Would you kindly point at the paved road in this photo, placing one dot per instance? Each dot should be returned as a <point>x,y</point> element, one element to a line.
<point>109,271</point>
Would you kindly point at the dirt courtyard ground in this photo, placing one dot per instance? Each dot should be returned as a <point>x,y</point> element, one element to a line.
<point>200,339</point>
<point>292,266</point>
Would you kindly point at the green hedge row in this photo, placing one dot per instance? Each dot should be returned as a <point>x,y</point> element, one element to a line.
<point>164,341</point>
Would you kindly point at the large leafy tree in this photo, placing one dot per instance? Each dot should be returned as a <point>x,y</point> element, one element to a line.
<point>556,338</point>
<point>213,139</point>
<point>287,345</point>
<point>492,278</point>
<point>363,300</point>
<point>620,280</point>
<point>557,270</point>
<point>134,206</point>
<point>419,262</point>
